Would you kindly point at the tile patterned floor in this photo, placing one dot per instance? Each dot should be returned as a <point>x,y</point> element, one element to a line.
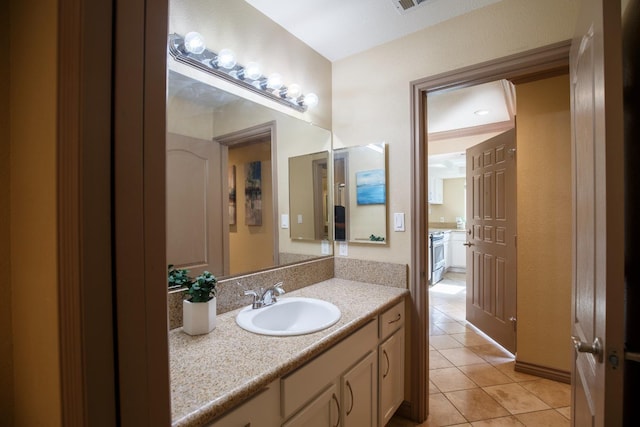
<point>471,379</point>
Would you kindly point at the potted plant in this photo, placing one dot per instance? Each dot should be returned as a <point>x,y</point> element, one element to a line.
<point>199,310</point>
<point>178,277</point>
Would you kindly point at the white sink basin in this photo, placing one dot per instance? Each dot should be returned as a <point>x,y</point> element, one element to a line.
<point>289,316</point>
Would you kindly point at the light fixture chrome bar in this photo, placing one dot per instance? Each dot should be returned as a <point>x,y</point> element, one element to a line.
<point>206,62</point>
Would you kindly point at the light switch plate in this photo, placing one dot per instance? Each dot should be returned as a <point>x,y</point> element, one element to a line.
<point>284,221</point>
<point>299,218</point>
<point>343,249</point>
<point>398,221</point>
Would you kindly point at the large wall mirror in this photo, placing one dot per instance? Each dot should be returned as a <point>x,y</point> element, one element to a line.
<point>228,186</point>
<point>360,193</point>
<point>309,196</point>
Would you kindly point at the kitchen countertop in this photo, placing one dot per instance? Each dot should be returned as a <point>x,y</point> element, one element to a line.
<point>212,373</point>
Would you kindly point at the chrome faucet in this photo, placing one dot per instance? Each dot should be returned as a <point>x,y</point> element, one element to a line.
<point>266,297</point>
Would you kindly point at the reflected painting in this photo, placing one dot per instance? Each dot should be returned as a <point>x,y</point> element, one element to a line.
<point>370,187</point>
<point>232,194</point>
<point>253,194</point>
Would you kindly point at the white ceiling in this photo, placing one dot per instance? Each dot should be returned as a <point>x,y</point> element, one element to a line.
<point>340,28</point>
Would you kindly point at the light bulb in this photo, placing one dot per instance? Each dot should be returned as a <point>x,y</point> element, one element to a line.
<point>194,43</point>
<point>294,91</point>
<point>310,100</point>
<point>275,81</point>
<point>252,71</point>
<point>226,59</point>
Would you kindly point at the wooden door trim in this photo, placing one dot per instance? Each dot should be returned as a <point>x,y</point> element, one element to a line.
<point>85,303</point>
<point>525,66</point>
<point>244,136</point>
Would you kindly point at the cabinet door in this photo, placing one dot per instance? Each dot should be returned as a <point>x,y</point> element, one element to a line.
<point>261,410</point>
<point>360,393</point>
<point>391,375</point>
<point>323,411</point>
<point>458,250</point>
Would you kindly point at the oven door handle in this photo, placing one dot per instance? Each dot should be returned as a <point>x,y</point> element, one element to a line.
<point>468,244</point>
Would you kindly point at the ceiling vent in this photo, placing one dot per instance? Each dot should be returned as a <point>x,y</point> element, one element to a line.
<point>405,6</point>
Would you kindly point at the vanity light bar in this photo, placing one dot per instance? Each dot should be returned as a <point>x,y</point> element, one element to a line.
<point>210,62</point>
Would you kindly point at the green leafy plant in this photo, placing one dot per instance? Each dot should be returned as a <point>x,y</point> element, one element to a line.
<point>178,277</point>
<point>203,288</point>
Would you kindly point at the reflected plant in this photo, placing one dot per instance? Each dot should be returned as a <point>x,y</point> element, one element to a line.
<point>178,277</point>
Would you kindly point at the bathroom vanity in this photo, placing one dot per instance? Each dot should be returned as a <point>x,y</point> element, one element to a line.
<point>350,374</point>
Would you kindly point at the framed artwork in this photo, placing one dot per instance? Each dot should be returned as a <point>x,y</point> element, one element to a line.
<point>371,187</point>
<point>253,193</point>
<point>232,194</point>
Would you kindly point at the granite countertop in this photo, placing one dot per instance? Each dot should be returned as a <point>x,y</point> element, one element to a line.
<point>214,372</point>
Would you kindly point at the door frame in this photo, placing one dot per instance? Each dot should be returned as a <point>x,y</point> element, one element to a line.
<point>237,138</point>
<point>534,64</point>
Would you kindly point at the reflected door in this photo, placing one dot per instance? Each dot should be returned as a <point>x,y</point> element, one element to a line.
<point>194,214</point>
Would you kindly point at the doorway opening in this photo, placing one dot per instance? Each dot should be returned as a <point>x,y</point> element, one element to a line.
<point>533,65</point>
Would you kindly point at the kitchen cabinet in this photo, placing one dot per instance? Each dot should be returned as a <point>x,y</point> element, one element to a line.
<point>262,409</point>
<point>447,250</point>
<point>458,258</point>
<point>436,191</point>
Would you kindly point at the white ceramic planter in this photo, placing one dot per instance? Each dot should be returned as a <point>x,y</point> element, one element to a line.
<point>198,317</point>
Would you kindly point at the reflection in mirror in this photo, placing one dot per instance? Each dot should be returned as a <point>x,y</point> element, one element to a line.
<point>360,193</point>
<point>210,131</point>
<point>308,196</point>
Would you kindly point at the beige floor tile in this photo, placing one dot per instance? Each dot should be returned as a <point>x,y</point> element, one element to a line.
<point>515,398</point>
<point>441,342</point>
<point>438,361</point>
<point>492,354</point>
<point>435,330</point>
<point>442,412</point>
<point>470,338</point>
<point>432,388</point>
<point>453,328</point>
<point>461,356</point>
<point>508,370</point>
<point>485,374</point>
<point>565,412</point>
<point>550,418</point>
<point>450,379</point>
<point>553,393</point>
<point>476,404</point>
<point>509,421</point>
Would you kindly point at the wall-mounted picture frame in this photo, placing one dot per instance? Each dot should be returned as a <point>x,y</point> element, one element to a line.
<point>253,193</point>
<point>371,187</point>
<point>232,194</point>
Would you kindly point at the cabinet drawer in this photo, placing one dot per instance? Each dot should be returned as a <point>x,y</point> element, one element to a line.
<point>303,384</point>
<point>259,410</point>
<point>391,320</point>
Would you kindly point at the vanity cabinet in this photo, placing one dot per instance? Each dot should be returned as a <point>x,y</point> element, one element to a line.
<point>358,382</point>
<point>391,363</point>
<point>322,411</point>
<point>261,410</point>
<point>349,361</point>
<point>359,395</point>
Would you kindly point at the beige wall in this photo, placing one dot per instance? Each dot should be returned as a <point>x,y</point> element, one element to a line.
<point>34,290</point>
<point>544,223</point>
<point>453,206</point>
<point>251,246</point>
<point>254,37</point>
<point>371,96</point>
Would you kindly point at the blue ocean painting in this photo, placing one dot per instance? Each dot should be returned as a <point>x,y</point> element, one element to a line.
<point>370,187</point>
